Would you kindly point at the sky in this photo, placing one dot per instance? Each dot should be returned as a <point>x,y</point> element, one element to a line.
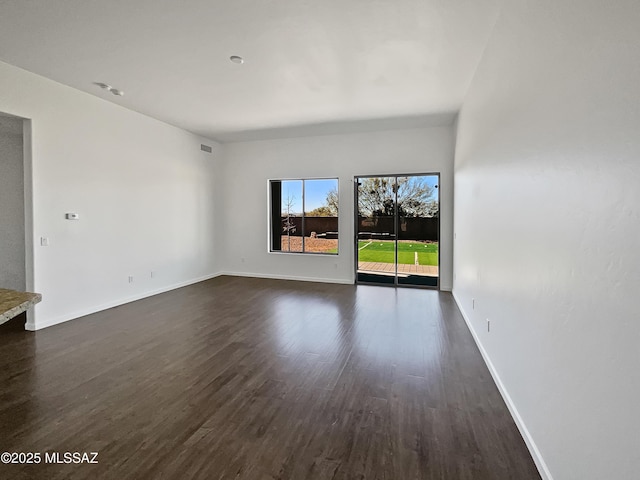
<point>432,181</point>
<point>315,192</point>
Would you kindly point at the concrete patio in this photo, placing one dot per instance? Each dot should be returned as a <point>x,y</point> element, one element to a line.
<point>389,269</point>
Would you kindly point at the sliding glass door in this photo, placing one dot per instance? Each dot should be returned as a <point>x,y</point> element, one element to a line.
<point>397,229</point>
<point>376,229</point>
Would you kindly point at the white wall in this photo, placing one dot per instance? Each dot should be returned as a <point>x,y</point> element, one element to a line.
<point>12,240</point>
<point>249,165</point>
<point>144,191</point>
<point>547,221</point>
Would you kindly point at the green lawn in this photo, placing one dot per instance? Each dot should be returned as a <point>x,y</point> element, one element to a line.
<point>383,251</point>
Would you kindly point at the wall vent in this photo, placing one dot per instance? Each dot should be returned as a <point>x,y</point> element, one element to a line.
<point>205,148</point>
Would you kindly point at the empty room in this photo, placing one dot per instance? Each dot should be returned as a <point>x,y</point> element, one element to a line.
<point>367,239</point>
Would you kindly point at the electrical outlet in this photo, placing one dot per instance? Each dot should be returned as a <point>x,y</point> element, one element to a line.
<point>153,274</point>
<point>130,278</point>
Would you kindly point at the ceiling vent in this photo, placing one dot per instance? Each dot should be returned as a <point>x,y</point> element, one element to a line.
<point>205,148</point>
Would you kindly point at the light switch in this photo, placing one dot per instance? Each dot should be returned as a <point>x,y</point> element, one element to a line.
<point>72,216</point>
<point>44,241</point>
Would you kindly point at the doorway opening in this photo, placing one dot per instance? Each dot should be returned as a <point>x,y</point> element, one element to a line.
<point>16,209</point>
<point>398,230</point>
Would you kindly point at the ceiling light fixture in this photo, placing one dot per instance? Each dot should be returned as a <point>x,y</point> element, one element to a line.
<point>236,59</point>
<point>106,86</point>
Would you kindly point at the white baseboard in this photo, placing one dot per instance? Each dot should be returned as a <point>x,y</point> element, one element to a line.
<point>49,322</point>
<point>288,277</point>
<point>524,431</point>
<point>342,281</point>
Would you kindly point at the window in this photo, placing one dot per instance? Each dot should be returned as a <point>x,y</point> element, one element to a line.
<point>304,215</point>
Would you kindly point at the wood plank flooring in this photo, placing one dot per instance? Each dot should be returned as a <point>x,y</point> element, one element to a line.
<point>240,378</point>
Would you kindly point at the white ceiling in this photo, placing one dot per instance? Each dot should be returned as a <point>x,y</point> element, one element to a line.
<point>309,65</point>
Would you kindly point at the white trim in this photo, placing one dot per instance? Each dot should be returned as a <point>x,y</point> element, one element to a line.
<point>27,162</point>
<point>341,281</point>
<point>288,277</point>
<point>528,439</point>
<point>40,324</point>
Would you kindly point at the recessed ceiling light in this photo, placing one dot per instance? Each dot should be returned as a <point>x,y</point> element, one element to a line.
<point>103,85</point>
<point>236,59</point>
<point>117,92</point>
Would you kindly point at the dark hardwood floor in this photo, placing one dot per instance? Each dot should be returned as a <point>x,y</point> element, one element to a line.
<point>239,378</point>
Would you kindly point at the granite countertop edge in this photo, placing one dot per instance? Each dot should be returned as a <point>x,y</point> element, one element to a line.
<point>13,303</point>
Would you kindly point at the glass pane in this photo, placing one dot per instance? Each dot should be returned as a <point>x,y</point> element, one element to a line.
<point>376,229</point>
<point>321,216</point>
<point>418,212</point>
<point>291,215</point>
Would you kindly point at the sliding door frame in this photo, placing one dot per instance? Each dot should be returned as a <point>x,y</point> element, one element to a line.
<point>396,225</point>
